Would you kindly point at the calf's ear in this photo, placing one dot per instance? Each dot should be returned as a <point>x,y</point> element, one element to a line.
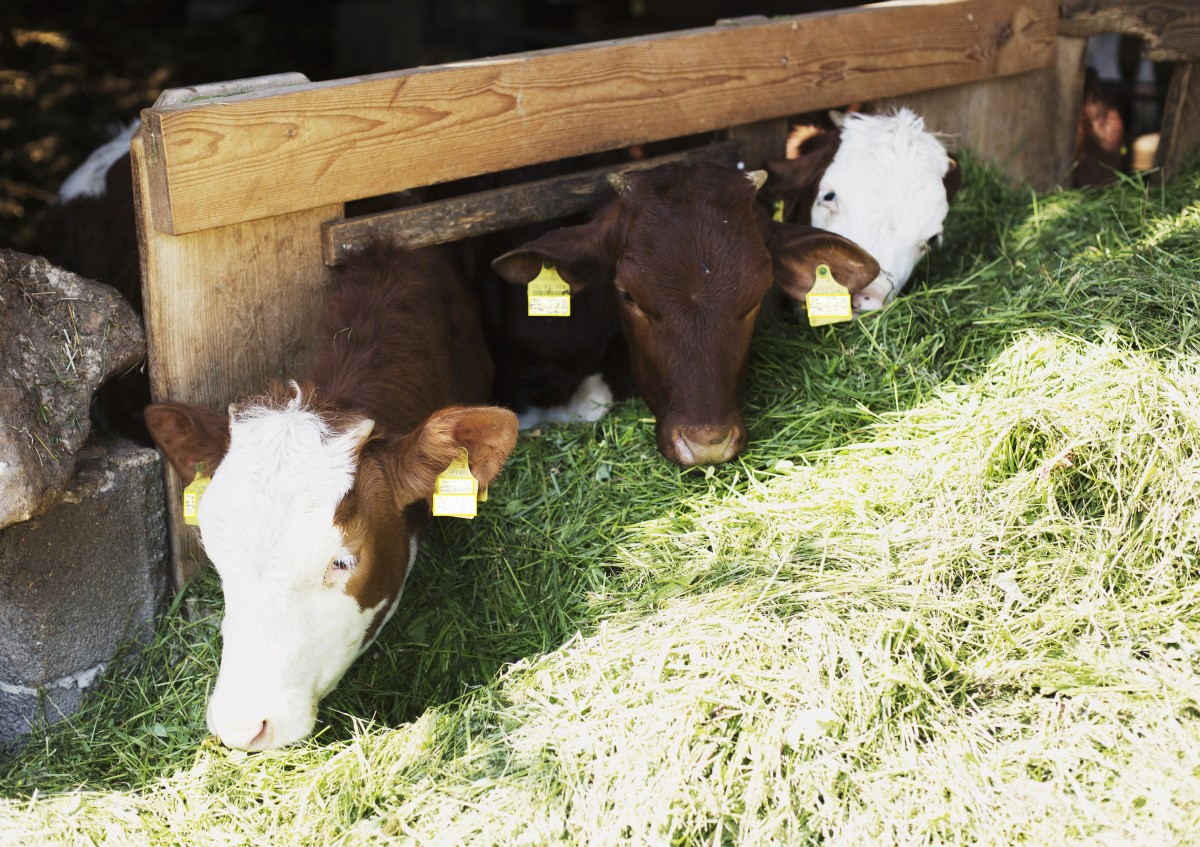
<point>488,432</point>
<point>796,250</point>
<point>577,252</point>
<point>795,174</point>
<point>189,436</point>
<point>953,179</point>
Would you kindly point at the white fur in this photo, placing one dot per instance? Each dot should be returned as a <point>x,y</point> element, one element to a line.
<point>290,631</point>
<point>88,179</point>
<point>590,402</point>
<point>888,195</point>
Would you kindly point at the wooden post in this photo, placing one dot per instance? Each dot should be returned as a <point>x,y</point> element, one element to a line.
<point>224,308</point>
<point>1180,134</point>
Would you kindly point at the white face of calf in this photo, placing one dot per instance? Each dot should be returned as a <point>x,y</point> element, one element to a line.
<point>885,191</point>
<point>313,529</point>
<point>267,523</point>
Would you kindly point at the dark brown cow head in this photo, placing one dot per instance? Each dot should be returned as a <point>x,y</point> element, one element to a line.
<point>689,258</point>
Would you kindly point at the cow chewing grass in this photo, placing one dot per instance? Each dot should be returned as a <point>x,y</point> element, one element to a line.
<point>670,276</point>
<point>319,492</point>
<point>883,181</point>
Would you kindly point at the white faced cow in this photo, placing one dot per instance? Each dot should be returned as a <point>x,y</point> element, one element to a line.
<point>883,181</point>
<point>319,491</point>
<point>668,279</point>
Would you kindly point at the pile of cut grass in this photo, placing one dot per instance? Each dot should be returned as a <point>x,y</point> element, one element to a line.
<point>949,595</point>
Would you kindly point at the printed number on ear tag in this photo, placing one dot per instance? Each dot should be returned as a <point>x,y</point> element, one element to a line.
<point>549,295</point>
<point>777,211</point>
<point>829,301</point>
<point>456,491</point>
<point>191,498</point>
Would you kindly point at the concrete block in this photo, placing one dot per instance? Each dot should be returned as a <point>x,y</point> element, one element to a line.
<point>79,581</point>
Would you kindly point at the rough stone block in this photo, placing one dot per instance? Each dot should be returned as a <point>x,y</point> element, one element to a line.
<point>78,581</point>
<point>61,336</point>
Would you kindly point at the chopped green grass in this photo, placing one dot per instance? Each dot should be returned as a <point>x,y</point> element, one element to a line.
<point>948,595</point>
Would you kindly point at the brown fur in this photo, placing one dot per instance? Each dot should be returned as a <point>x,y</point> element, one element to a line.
<point>404,348</point>
<point>687,257</point>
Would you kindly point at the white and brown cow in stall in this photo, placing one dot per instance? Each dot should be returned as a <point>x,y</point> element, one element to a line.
<point>883,181</point>
<point>668,279</point>
<point>318,493</point>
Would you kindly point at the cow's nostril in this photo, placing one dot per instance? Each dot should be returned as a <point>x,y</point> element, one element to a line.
<point>262,740</point>
<point>707,448</point>
<point>248,737</point>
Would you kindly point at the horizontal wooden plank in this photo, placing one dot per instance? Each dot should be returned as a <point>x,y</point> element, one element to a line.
<point>483,212</point>
<point>1169,29</point>
<point>238,158</point>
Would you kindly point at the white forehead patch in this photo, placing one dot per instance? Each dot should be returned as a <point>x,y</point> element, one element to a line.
<point>271,502</point>
<point>884,189</point>
<point>88,180</point>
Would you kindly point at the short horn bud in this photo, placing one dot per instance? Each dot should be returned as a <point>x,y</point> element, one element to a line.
<point>619,182</point>
<point>757,177</point>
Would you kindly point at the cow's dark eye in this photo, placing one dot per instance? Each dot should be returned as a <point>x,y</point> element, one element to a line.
<point>829,196</point>
<point>345,563</point>
<point>627,297</point>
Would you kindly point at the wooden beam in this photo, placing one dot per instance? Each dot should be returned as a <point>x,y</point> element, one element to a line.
<point>239,158</point>
<point>1180,133</point>
<point>442,221</point>
<point>1169,29</point>
<point>225,310</point>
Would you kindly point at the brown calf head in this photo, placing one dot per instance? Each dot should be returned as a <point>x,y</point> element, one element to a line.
<point>312,520</point>
<point>685,254</point>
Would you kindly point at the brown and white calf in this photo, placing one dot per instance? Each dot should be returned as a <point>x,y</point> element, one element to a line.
<point>319,490</point>
<point>883,181</point>
<point>669,278</point>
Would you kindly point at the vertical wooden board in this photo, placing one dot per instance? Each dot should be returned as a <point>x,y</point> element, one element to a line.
<point>226,310</point>
<point>1025,124</point>
<point>1180,134</point>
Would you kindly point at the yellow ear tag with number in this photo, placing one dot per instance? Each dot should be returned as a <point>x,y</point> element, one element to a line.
<point>191,497</point>
<point>549,295</point>
<point>829,301</point>
<point>777,211</point>
<point>456,491</point>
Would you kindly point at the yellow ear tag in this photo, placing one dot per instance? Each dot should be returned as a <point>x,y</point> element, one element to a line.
<point>829,301</point>
<point>549,295</point>
<point>456,491</point>
<point>191,497</point>
<point>777,211</point>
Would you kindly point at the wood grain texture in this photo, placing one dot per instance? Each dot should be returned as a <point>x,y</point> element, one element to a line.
<point>225,310</point>
<point>1169,29</point>
<point>1025,124</point>
<point>240,158</point>
<point>443,221</point>
<point>1180,134</point>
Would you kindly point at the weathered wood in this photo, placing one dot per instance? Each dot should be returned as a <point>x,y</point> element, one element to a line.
<point>225,309</point>
<point>1169,29</point>
<point>240,158</point>
<point>442,221</point>
<point>1180,133</point>
<point>1025,124</point>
